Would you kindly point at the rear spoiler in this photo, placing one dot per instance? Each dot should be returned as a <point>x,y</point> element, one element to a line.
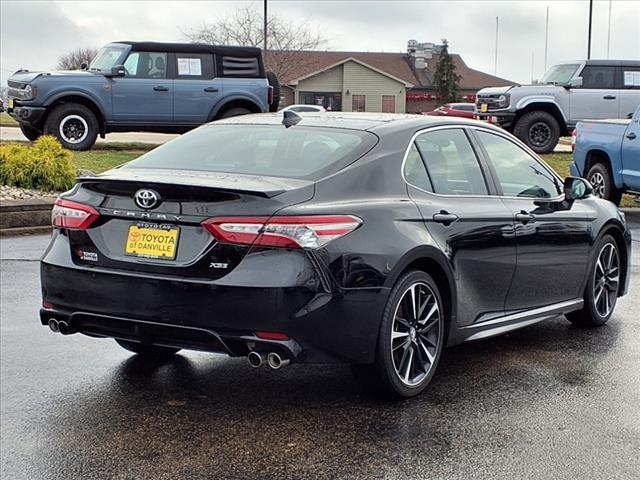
<point>266,187</point>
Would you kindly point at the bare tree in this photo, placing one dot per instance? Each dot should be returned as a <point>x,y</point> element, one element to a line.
<point>73,59</point>
<point>286,39</point>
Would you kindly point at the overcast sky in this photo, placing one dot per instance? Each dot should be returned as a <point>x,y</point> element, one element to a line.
<point>35,33</point>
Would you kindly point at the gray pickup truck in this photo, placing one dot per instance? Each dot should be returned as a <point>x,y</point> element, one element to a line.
<point>541,113</point>
<point>142,86</point>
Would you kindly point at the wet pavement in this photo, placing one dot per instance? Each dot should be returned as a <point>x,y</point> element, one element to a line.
<point>549,401</point>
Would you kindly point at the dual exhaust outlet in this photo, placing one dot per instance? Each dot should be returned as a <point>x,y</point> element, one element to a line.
<point>273,359</point>
<point>59,326</point>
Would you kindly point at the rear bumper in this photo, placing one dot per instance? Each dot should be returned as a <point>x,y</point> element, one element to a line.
<point>324,326</point>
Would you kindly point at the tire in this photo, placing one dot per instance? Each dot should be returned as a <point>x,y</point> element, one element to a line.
<point>539,130</point>
<point>595,311</point>
<point>74,125</point>
<point>31,133</point>
<point>235,112</point>
<point>603,187</point>
<point>147,351</point>
<point>402,369</point>
<point>275,84</point>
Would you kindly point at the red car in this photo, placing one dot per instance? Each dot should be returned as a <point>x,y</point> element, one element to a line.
<point>455,110</point>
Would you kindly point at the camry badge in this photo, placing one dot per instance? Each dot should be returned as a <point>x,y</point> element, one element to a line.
<point>146,198</point>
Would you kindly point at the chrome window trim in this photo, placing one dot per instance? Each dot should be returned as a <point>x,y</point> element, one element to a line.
<point>463,126</point>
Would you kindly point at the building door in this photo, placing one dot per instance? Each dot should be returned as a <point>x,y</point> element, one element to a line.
<point>388,103</point>
<point>358,103</point>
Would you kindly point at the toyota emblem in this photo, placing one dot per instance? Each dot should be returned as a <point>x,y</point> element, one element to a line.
<point>146,198</point>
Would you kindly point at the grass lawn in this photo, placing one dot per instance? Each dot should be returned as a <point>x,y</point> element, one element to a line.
<point>7,121</point>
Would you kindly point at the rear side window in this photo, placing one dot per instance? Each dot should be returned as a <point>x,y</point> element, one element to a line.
<point>631,77</point>
<point>194,66</point>
<point>415,172</point>
<point>146,65</point>
<point>307,153</point>
<point>240,66</point>
<point>598,77</point>
<point>451,162</point>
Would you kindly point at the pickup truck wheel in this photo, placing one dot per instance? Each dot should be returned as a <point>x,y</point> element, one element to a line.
<point>31,133</point>
<point>74,125</point>
<point>603,187</point>
<point>539,130</point>
<point>235,112</point>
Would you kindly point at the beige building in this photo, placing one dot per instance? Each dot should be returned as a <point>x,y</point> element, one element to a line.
<point>371,81</point>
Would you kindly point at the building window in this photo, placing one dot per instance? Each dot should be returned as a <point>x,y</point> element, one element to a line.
<point>332,102</point>
<point>358,103</point>
<point>388,103</point>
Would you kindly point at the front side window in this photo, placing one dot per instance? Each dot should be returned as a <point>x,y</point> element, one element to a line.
<point>308,153</point>
<point>451,162</point>
<point>598,77</point>
<point>146,65</point>
<point>519,174</point>
<point>464,108</point>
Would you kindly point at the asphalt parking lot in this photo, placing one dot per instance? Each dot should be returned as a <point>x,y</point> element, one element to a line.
<point>549,401</point>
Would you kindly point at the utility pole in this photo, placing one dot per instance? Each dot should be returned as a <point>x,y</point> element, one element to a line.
<point>546,39</point>
<point>264,42</point>
<point>609,31</point>
<point>495,64</point>
<point>590,22</point>
<point>532,58</point>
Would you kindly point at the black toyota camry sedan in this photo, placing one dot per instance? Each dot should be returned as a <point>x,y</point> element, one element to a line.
<point>369,239</point>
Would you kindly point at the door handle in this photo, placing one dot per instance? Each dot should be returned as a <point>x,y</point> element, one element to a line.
<point>161,88</point>
<point>525,217</point>
<point>631,136</point>
<point>444,217</point>
<point>609,97</point>
<point>210,89</point>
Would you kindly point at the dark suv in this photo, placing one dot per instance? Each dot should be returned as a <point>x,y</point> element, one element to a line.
<point>142,86</point>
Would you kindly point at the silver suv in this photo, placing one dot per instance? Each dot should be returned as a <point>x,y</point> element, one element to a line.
<point>539,114</point>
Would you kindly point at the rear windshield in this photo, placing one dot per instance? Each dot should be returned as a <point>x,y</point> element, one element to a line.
<point>308,153</point>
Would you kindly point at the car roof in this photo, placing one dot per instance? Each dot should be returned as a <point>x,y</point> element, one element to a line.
<point>610,63</point>
<point>377,122</point>
<point>191,48</point>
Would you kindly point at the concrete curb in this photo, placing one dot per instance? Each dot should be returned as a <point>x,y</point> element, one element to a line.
<point>20,217</point>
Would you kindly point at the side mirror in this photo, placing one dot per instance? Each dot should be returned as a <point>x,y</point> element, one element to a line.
<point>83,66</point>
<point>117,71</point>
<point>576,188</point>
<point>575,82</point>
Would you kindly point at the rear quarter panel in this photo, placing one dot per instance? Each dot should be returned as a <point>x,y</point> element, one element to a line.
<point>600,137</point>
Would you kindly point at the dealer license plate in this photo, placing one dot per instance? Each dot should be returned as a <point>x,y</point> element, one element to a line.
<point>484,107</point>
<point>10,103</point>
<point>152,241</point>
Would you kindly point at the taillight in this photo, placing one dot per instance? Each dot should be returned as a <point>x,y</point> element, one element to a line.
<point>574,134</point>
<point>68,214</point>
<point>309,231</point>
<point>270,95</point>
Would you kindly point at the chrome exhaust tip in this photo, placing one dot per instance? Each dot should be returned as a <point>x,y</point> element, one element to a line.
<point>53,325</point>
<point>255,359</point>
<point>63,328</point>
<point>275,361</point>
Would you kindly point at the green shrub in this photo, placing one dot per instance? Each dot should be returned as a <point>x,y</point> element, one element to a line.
<point>44,166</point>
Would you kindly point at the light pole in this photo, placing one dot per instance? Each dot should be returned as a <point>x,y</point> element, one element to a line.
<point>495,64</point>
<point>590,22</point>
<point>264,42</point>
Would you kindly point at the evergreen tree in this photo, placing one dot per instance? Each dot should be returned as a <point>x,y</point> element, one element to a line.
<point>445,79</point>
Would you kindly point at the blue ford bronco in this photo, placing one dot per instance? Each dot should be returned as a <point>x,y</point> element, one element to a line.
<point>142,86</point>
